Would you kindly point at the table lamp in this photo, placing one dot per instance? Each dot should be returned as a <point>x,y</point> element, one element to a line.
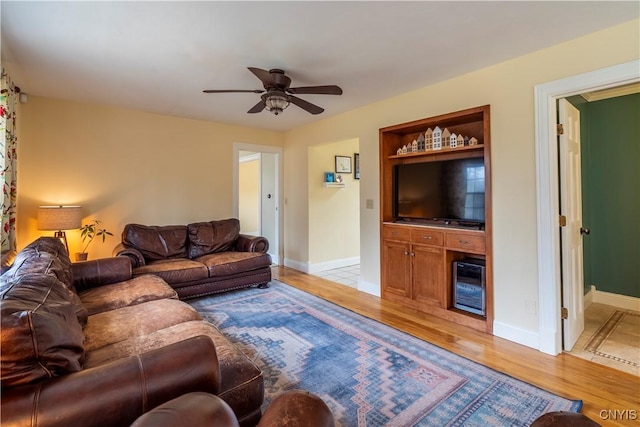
<point>59,218</point>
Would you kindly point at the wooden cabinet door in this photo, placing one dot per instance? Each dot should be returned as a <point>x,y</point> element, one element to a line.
<point>428,275</point>
<point>396,269</point>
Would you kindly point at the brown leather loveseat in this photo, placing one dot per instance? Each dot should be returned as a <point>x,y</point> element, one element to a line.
<point>198,259</point>
<point>87,344</point>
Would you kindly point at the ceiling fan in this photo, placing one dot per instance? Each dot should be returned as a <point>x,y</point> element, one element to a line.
<point>277,94</point>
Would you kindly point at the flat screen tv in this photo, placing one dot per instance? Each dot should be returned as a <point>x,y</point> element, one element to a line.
<point>440,190</point>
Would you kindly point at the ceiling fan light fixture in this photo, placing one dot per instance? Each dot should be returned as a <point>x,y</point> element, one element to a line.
<point>276,102</point>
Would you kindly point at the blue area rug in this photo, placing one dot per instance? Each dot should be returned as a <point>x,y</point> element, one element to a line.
<point>368,373</point>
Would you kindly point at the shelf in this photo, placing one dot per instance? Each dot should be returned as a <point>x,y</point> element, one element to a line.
<point>334,184</point>
<point>479,148</point>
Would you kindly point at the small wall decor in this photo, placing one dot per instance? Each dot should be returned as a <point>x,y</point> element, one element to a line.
<point>356,161</point>
<point>329,177</point>
<point>343,164</point>
<point>338,178</point>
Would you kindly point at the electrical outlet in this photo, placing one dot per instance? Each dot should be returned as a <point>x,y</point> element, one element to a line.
<point>369,204</point>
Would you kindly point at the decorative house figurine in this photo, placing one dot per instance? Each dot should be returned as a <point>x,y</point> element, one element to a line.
<point>466,141</point>
<point>437,138</point>
<point>445,138</point>
<point>428,140</point>
<point>414,146</point>
<point>453,140</point>
<point>460,141</point>
<point>404,149</point>
<point>399,151</point>
<point>473,141</point>
<point>421,142</point>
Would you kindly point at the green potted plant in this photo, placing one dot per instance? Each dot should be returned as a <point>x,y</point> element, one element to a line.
<point>88,232</point>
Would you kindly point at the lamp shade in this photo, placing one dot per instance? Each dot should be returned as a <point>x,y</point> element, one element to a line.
<point>59,217</point>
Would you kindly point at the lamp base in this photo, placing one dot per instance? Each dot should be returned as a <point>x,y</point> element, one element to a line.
<point>63,238</point>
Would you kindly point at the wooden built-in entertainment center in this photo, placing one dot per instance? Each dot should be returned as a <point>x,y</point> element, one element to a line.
<point>417,257</point>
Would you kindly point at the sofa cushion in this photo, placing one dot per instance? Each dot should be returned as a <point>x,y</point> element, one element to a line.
<point>154,242</point>
<point>118,325</point>
<point>174,270</point>
<point>46,255</point>
<point>241,382</point>
<point>212,236</point>
<point>228,263</point>
<point>126,293</point>
<point>41,334</point>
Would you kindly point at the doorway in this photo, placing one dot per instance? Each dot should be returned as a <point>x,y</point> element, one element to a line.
<point>256,192</point>
<point>547,195</point>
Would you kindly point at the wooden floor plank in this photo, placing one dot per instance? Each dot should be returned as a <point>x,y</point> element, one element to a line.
<point>599,387</point>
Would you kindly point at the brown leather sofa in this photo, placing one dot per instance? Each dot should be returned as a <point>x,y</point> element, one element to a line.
<point>197,259</point>
<point>87,344</point>
<point>294,408</point>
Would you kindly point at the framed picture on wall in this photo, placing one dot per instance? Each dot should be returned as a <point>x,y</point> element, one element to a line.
<point>356,165</point>
<point>343,164</point>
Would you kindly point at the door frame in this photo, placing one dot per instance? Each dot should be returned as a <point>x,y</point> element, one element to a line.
<point>274,247</point>
<point>547,189</point>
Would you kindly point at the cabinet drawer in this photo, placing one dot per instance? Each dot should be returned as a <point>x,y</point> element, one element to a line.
<point>396,233</point>
<point>427,236</point>
<point>465,242</point>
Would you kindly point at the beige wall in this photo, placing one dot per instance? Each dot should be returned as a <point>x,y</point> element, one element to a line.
<point>334,213</point>
<point>124,166</point>
<point>509,88</point>
<point>249,196</point>
<point>127,166</point>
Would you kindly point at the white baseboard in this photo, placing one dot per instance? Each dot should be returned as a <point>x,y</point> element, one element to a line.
<point>369,288</point>
<point>517,335</point>
<point>588,297</point>
<point>296,265</point>
<point>620,301</point>
<point>318,267</point>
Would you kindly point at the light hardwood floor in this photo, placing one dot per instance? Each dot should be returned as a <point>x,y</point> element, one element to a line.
<point>600,388</point>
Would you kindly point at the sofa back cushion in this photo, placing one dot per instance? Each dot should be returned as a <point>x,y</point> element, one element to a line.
<point>157,242</point>
<point>46,256</point>
<point>213,236</point>
<point>41,335</point>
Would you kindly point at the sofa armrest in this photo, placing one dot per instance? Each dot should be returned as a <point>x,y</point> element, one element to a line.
<point>246,243</point>
<point>136,257</point>
<point>116,393</point>
<point>99,272</point>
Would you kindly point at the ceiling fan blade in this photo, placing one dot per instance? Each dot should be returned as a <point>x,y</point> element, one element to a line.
<point>321,90</point>
<point>232,90</point>
<point>264,76</point>
<point>311,108</point>
<point>258,107</point>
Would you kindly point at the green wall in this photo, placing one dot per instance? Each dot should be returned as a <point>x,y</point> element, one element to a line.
<point>610,139</point>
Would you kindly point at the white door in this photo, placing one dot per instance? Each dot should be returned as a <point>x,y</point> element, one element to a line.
<point>571,234</point>
<point>259,204</point>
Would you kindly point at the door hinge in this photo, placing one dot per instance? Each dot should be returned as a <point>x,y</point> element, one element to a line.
<point>564,313</point>
<point>563,221</point>
<point>560,129</point>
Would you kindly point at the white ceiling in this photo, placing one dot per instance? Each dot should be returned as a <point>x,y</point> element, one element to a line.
<point>159,56</point>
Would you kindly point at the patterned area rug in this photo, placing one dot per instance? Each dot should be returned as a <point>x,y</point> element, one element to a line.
<point>368,373</point>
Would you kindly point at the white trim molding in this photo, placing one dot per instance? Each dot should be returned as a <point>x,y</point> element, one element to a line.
<point>546,94</point>
<point>624,302</point>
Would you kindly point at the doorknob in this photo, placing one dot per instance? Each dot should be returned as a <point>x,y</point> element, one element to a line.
<point>585,231</point>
